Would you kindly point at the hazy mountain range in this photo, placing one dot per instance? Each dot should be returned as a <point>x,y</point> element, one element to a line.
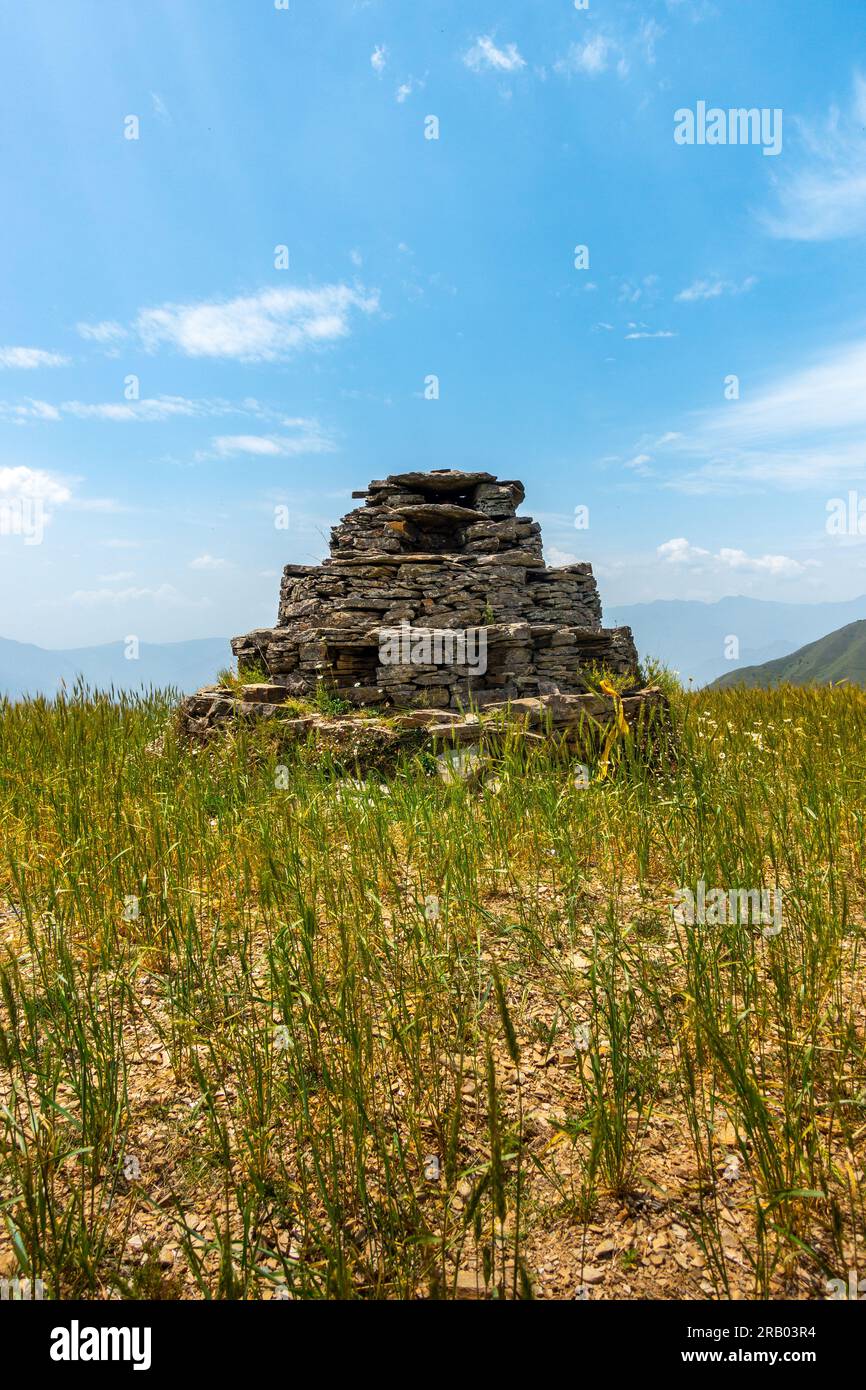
<point>29,670</point>
<point>687,635</point>
<point>690,637</point>
<point>838,656</point>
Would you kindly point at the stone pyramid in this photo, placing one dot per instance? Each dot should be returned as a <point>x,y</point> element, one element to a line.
<point>427,556</point>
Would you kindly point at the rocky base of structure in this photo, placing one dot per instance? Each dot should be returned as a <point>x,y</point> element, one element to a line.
<point>579,724</point>
<point>520,659</point>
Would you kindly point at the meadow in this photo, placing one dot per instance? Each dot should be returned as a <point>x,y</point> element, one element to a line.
<point>269,1029</point>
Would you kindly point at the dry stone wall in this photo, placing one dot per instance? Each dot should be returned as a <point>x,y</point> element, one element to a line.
<point>427,556</point>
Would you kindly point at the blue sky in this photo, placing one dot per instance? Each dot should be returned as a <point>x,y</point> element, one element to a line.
<point>410,257</point>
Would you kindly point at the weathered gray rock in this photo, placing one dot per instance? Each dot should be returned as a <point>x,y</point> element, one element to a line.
<point>433,555</point>
<point>466,747</point>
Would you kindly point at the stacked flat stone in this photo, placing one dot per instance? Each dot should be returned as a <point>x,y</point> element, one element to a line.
<point>442,550</point>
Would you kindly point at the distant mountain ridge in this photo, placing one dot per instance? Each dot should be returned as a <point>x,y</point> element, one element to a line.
<point>686,634</point>
<point>839,656</point>
<point>690,636</point>
<point>30,670</point>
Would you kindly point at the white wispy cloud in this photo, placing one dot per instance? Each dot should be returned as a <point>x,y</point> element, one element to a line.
<point>824,397</point>
<point>105,332</point>
<point>555,556</point>
<point>20,482</point>
<point>820,194</point>
<point>649,34</point>
<point>307,438</point>
<point>150,408</point>
<point>27,358</point>
<point>640,464</point>
<point>485,54</point>
<point>645,333</point>
<point>208,562</point>
<point>288,436</point>
<point>405,89</point>
<point>165,594</point>
<point>19,413</point>
<point>379,58</point>
<point>681,552</point>
<point>590,58</point>
<point>263,327</point>
<point>714,289</point>
<point>806,426</point>
<point>646,291</point>
<point>617,52</point>
<point>264,445</point>
<point>21,486</point>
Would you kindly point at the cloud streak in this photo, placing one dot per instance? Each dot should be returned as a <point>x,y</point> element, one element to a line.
<point>644,333</point>
<point>805,428</point>
<point>266,327</point>
<point>823,196</point>
<point>19,482</point>
<point>105,332</point>
<point>484,55</point>
<point>28,358</point>
<point>149,409</point>
<point>208,562</point>
<point>309,438</point>
<point>591,58</point>
<point>714,289</point>
<point>163,594</point>
<point>681,552</point>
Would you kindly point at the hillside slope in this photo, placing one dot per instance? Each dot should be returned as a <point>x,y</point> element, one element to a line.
<point>841,655</point>
<point>691,636</point>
